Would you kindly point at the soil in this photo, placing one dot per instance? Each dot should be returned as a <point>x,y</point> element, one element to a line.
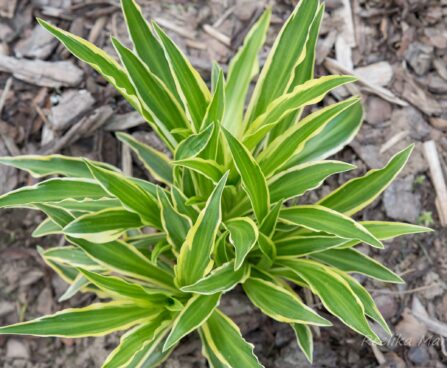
<point>398,47</point>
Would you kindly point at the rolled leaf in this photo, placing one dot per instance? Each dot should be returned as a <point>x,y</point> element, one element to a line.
<point>243,236</point>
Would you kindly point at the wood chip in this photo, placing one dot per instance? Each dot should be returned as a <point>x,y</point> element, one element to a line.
<point>437,176</point>
<point>433,325</point>
<point>213,32</point>
<point>7,8</point>
<point>42,73</point>
<point>72,106</point>
<point>379,73</point>
<point>124,121</point>
<point>370,87</point>
<point>40,44</point>
<point>182,31</point>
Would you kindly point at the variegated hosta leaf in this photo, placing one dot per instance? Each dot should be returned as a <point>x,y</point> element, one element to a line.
<point>224,343</point>
<point>53,190</point>
<point>241,70</point>
<point>294,139</point>
<point>134,341</point>
<point>208,168</point>
<point>190,85</point>
<point>131,196</point>
<point>221,279</point>
<point>299,179</point>
<point>253,180</point>
<point>280,303</point>
<point>243,236</point>
<point>194,144</point>
<point>103,226</point>
<point>194,314</point>
<point>154,161</point>
<point>335,294</point>
<point>357,193</point>
<point>287,51</point>
<point>304,338</point>
<point>95,320</point>
<point>337,133</point>
<point>39,166</point>
<point>146,44</point>
<point>126,259</point>
<point>194,260</point>
<point>351,260</point>
<point>319,218</point>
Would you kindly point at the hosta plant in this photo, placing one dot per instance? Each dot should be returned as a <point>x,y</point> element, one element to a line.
<point>226,209</point>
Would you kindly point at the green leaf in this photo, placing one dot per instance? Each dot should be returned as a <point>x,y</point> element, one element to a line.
<point>268,225</point>
<point>70,256</point>
<point>47,227</point>
<point>298,246</point>
<point>154,95</point>
<point>299,179</point>
<point>335,294</point>
<point>146,44</point>
<point>304,71</point>
<point>152,354</point>
<point>280,304</point>
<point>267,248</point>
<point>58,215</point>
<point>135,340</point>
<point>319,218</point>
<point>338,132</point>
<point>118,288</point>
<point>304,338</point>
<point>226,342</point>
<point>39,166</point>
<point>194,314</point>
<point>154,161</point>
<point>351,260</point>
<point>179,200</point>
<point>358,193</point>
<point>287,51</point>
<point>53,190</point>
<point>243,236</point>
<point>208,353</point>
<point>175,224</point>
<point>98,60</point>
<point>191,87</point>
<point>220,280</point>
<point>216,107</point>
<point>309,93</point>
<point>384,230</point>
<point>194,144</point>
<point>78,284</point>
<point>95,320</point>
<point>369,305</point>
<point>103,226</point>
<point>126,259</point>
<point>253,181</point>
<point>279,152</point>
<point>194,258</point>
<point>241,70</point>
<point>209,168</point>
<point>87,205</point>
<point>131,196</point>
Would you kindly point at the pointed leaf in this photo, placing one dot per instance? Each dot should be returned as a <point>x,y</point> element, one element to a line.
<point>194,259</point>
<point>243,236</point>
<point>304,338</point>
<point>194,314</point>
<point>280,304</point>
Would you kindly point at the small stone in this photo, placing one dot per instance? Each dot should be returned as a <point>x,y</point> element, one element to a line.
<point>387,305</point>
<point>419,56</point>
<point>17,349</point>
<point>44,302</point>
<point>419,355</point>
<point>31,277</point>
<point>393,361</point>
<point>436,84</point>
<point>411,119</point>
<point>400,202</point>
<point>410,330</point>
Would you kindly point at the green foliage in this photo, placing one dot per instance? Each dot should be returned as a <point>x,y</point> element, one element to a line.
<point>160,256</point>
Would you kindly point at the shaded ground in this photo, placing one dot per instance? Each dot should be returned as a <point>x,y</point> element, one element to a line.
<point>399,48</point>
